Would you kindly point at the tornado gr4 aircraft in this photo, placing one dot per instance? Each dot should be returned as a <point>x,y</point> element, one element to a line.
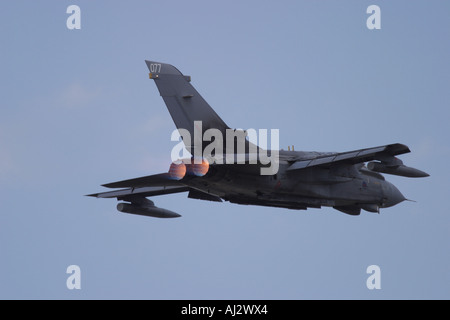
<point>234,169</point>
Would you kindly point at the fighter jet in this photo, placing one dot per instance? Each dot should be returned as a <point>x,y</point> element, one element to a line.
<point>233,171</point>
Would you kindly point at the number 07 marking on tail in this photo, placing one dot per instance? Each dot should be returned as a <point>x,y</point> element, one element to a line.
<point>155,67</point>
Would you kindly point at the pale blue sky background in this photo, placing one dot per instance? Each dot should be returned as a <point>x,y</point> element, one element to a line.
<point>78,110</point>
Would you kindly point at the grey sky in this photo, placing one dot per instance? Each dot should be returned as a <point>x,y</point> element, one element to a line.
<point>78,110</point>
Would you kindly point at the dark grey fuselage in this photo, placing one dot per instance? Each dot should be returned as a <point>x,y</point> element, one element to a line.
<point>341,186</point>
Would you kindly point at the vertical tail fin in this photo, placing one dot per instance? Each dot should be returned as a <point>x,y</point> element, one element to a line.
<point>184,103</point>
<point>186,106</point>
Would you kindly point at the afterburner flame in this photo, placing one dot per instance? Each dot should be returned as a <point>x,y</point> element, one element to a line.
<point>177,171</point>
<point>198,169</point>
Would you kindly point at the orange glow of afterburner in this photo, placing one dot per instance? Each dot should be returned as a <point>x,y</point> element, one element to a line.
<point>198,169</point>
<point>177,171</point>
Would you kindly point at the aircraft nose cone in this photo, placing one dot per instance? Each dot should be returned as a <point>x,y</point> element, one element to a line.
<point>393,196</point>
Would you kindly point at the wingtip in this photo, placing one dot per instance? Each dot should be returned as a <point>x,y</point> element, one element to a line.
<point>95,195</point>
<point>109,185</point>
